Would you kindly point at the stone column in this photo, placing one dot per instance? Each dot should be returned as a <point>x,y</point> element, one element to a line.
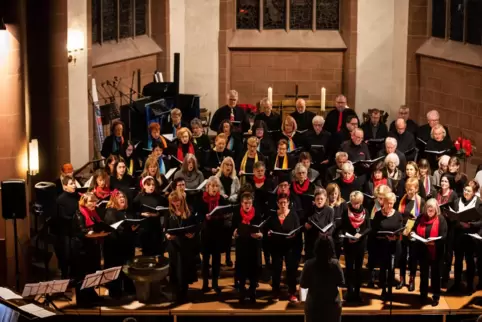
<point>48,82</point>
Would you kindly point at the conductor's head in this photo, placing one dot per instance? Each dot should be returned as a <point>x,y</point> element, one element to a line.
<point>324,250</point>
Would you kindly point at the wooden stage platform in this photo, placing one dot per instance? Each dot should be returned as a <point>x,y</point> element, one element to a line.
<point>210,305</point>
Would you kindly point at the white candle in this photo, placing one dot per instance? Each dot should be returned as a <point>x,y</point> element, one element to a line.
<point>161,79</point>
<point>323,99</point>
<point>270,95</point>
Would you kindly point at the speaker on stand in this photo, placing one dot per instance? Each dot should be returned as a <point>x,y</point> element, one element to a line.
<point>14,207</point>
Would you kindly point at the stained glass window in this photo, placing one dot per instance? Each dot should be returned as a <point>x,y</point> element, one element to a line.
<point>301,14</point>
<point>247,14</point>
<point>474,22</point>
<point>104,17</point>
<point>125,20</point>
<point>274,16</point>
<point>438,18</point>
<point>327,14</point>
<point>141,17</point>
<point>457,20</point>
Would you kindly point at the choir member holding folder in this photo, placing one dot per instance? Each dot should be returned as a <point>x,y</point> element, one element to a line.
<point>467,220</point>
<point>210,210</point>
<point>283,162</point>
<point>67,206</point>
<point>282,230</point>
<point>189,171</point>
<point>268,116</point>
<point>387,226</point>
<point>290,134</point>
<point>182,234</point>
<point>355,229</point>
<point>266,144</point>
<point>148,204</point>
<point>121,180</point>
<point>438,145</point>
<point>234,142</point>
<point>429,231</point>
<point>317,141</point>
<point>101,188</point>
<point>303,117</point>
<point>201,140</point>
<point>302,189</point>
<point>320,222</point>
<point>348,182</point>
<point>460,179</point>
<point>247,224</point>
<point>185,144</point>
<point>246,162</point>
<point>119,246</point>
<point>339,205</point>
<point>216,156</point>
<point>86,243</point>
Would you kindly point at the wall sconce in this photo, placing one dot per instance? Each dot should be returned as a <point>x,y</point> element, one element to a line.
<point>3,27</point>
<point>33,158</point>
<point>75,43</point>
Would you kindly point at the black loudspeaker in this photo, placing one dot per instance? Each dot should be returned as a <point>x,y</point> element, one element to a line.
<point>134,119</point>
<point>46,198</point>
<point>189,105</point>
<point>177,70</point>
<point>14,199</point>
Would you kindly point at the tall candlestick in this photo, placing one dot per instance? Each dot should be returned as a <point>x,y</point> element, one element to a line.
<point>323,99</point>
<point>270,95</point>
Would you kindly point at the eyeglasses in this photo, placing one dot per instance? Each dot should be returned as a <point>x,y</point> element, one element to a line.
<point>252,146</point>
<point>354,123</point>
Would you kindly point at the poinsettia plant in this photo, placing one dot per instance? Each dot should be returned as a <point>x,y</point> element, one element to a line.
<point>464,148</point>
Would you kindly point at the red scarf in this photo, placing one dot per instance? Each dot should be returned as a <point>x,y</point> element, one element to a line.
<point>356,219</point>
<point>246,217</point>
<point>180,154</point>
<point>259,180</point>
<point>376,183</point>
<point>88,215</point>
<point>102,193</point>
<point>300,189</point>
<point>212,201</point>
<point>349,180</point>
<point>422,229</point>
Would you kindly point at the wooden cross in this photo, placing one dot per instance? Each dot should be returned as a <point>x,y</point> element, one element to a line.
<point>296,96</point>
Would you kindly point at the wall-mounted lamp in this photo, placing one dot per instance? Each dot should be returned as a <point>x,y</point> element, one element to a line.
<point>33,158</point>
<point>3,27</point>
<point>75,43</point>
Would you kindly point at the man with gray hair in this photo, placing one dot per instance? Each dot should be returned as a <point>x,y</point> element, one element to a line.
<point>232,112</point>
<point>318,144</point>
<point>303,117</point>
<point>391,145</point>
<point>404,113</point>
<point>268,116</point>
<point>424,131</point>
<point>405,139</point>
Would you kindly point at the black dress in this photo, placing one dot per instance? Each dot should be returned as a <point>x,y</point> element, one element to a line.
<point>387,250</point>
<point>338,212</point>
<point>119,248</point>
<point>430,258</point>
<point>321,217</point>
<point>304,121</point>
<point>284,249</point>
<point>183,253</point>
<point>151,236</point>
<point>248,254</point>
<point>214,160</point>
<point>125,184</point>
<point>355,251</point>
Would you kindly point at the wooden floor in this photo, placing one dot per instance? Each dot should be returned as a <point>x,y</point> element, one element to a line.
<point>226,304</point>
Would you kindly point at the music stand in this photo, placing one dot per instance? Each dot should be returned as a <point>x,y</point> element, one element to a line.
<point>99,278</point>
<point>45,289</point>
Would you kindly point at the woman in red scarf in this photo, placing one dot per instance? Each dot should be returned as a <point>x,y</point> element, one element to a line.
<point>248,247</point>
<point>431,224</point>
<point>100,187</point>
<point>212,245</point>
<point>185,143</point>
<point>348,182</point>
<point>379,177</point>
<point>356,223</point>
<point>85,249</point>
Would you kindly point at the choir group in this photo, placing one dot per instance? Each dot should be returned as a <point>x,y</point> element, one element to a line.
<point>271,188</point>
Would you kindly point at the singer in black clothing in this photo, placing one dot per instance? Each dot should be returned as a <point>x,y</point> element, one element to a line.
<point>183,248</point>
<point>430,255</point>
<point>302,188</point>
<point>283,248</point>
<point>67,206</point>
<point>119,246</point>
<point>248,247</point>
<point>216,156</point>
<point>439,141</point>
<point>147,200</point>
<point>266,144</point>
<point>122,181</point>
<point>86,254</point>
<point>115,143</point>
<point>356,222</point>
<point>464,245</point>
<point>320,215</point>
<point>303,117</point>
<point>201,140</point>
<point>268,116</point>
<point>339,205</point>
<point>211,244</point>
<point>348,182</point>
<point>319,137</point>
<point>230,112</point>
<point>336,119</point>
<point>234,140</point>
<point>387,220</point>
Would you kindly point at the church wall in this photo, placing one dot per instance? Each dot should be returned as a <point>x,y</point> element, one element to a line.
<point>252,72</point>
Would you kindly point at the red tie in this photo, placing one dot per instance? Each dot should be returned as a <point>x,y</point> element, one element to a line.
<point>231,117</point>
<point>340,120</point>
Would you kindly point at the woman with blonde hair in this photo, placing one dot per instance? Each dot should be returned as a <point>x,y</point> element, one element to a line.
<point>288,133</point>
<point>339,205</point>
<point>246,163</point>
<point>230,187</point>
<point>183,248</point>
<point>119,246</point>
<point>430,256</point>
<point>86,254</point>
<point>185,143</point>
<point>151,169</point>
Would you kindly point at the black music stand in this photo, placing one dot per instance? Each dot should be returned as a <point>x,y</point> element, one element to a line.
<point>95,280</point>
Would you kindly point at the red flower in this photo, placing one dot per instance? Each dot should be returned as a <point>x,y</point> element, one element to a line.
<point>457,144</point>
<point>468,148</point>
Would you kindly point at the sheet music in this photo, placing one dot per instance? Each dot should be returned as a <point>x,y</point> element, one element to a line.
<point>170,173</point>
<point>117,224</point>
<point>476,236</point>
<point>91,280</point>
<point>7,294</point>
<point>59,286</point>
<point>169,136</point>
<point>303,294</point>
<point>36,310</point>
<point>110,274</point>
<point>30,289</point>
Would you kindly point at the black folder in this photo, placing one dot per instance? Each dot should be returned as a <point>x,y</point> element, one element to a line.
<point>437,153</point>
<point>301,131</point>
<point>322,229</point>
<point>464,216</point>
<point>247,230</point>
<point>391,233</point>
<point>375,141</point>
<point>183,230</point>
<point>289,234</point>
<point>368,162</point>
<point>102,227</point>
<point>220,211</point>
